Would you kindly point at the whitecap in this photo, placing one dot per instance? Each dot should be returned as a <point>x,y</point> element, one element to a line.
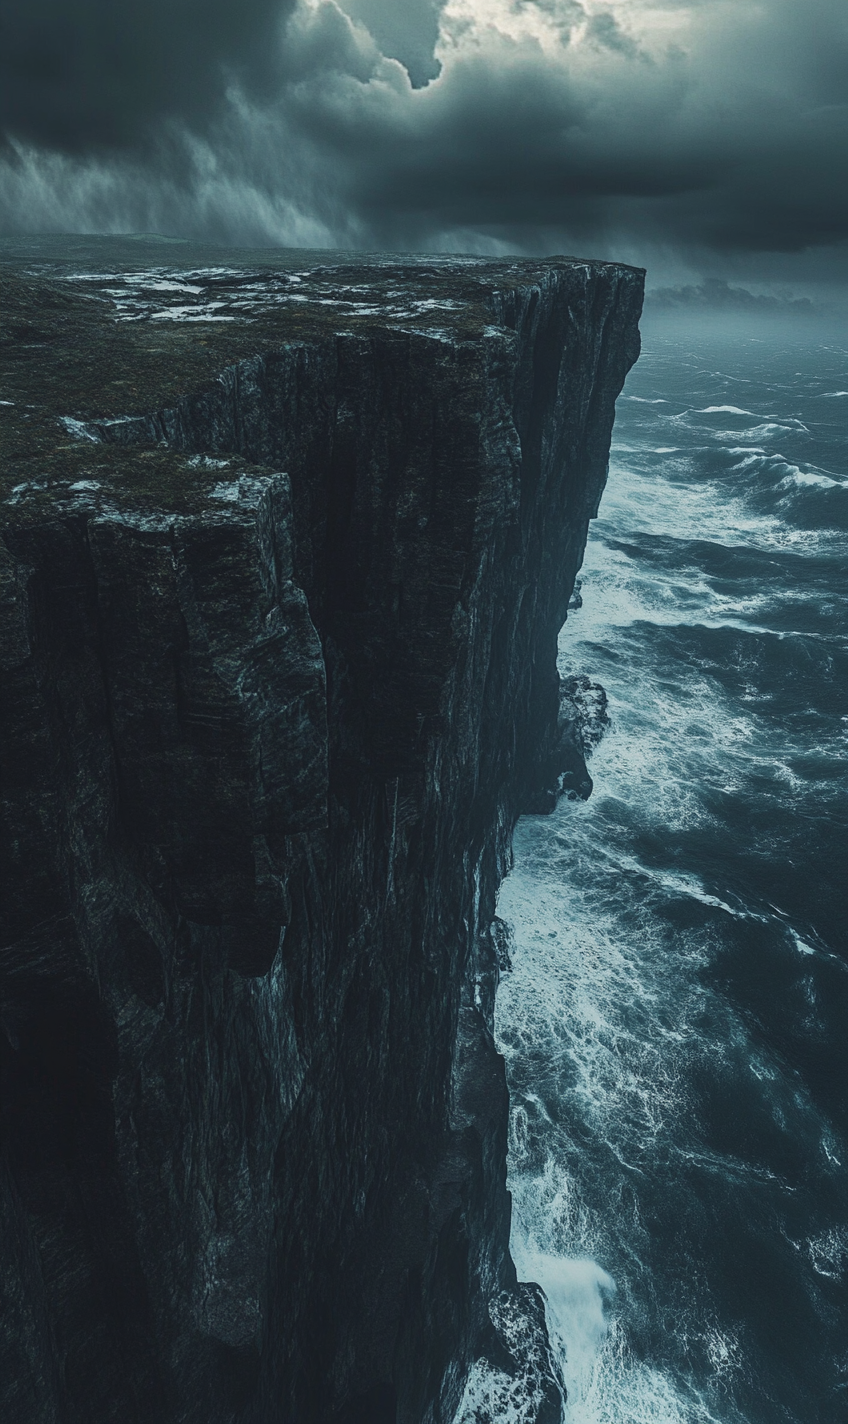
<point>692,888</point>
<point>769,426</point>
<point>800,944</point>
<point>763,431</point>
<point>804,478</point>
<point>725,410</point>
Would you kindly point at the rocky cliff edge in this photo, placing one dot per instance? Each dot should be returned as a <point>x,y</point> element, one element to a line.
<point>285,553</point>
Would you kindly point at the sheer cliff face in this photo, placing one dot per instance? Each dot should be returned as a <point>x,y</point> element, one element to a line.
<point>279,597</point>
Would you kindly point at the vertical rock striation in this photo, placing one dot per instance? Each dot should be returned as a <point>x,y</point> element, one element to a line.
<point>264,739</point>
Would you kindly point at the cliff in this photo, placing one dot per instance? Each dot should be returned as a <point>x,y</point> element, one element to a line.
<point>284,558</point>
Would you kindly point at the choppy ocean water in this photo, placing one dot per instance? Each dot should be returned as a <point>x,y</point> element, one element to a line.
<point>676,1022</point>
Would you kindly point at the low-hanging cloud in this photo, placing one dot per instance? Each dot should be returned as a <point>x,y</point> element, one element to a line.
<point>495,124</point>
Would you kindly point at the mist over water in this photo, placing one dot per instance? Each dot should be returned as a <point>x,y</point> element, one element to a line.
<point>676,1022</point>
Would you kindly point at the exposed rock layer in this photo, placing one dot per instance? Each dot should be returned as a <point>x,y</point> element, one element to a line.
<point>264,739</point>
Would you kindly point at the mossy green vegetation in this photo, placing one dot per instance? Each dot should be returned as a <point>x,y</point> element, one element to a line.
<point>96,329</point>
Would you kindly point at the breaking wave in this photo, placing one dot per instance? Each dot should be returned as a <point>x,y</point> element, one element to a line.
<point>676,1022</point>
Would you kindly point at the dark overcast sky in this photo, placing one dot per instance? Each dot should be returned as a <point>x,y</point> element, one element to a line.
<point>712,134</point>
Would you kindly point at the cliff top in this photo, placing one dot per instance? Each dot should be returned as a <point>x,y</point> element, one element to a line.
<point>104,328</point>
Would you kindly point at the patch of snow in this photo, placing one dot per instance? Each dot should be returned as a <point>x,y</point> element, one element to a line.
<point>229,492</point>
<point>207,462</point>
<point>78,429</point>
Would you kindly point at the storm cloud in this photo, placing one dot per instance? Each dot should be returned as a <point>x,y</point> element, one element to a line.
<point>77,75</point>
<point>487,125</point>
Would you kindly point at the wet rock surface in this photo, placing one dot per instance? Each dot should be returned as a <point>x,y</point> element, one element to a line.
<point>280,585</point>
<point>518,1379</point>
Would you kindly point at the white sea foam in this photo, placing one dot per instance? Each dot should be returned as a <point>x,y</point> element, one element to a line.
<point>612,1016</point>
<point>593,982</point>
<point>801,944</point>
<point>578,1292</point>
<point>766,430</point>
<point>606,1384</point>
<point>726,410</point>
<point>828,1252</point>
<point>800,479</point>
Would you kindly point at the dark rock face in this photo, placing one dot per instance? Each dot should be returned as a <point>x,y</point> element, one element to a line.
<point>264,738</point>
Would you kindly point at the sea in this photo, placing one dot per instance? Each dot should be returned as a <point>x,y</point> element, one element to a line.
<point>675,1024</point>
